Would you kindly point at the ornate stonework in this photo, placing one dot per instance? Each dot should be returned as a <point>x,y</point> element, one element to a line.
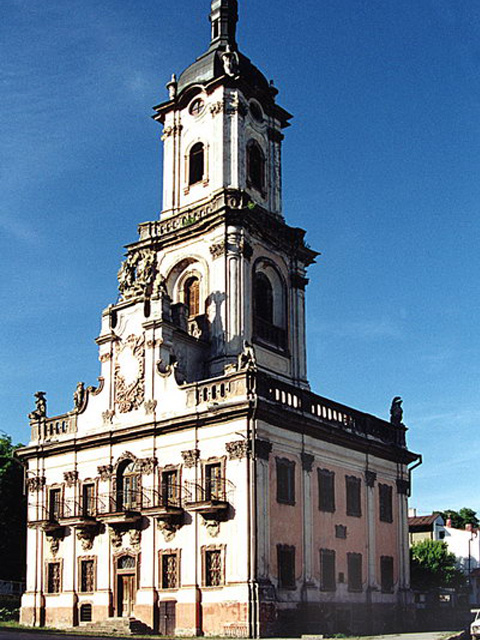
<point>135,538</point>
<point>212,527</point>
<point>35,483</point>
<point>70,477</point>
<point>168,530</point>
<point>217,249</point>
<point>105,472</point>
<point>105,357</point>
<point>138,275</point>
<point>190,457</point>
<point>116,538</point>
<point>54,542</point>
<point>150,406</point>
<point>129,373</point>
<point>86,537</point>
<point>146,465</point>
<point>217,108</point>
<point>237,450</point>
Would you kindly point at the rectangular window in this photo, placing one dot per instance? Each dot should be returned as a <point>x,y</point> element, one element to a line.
<point>354,566</point>
<point>386,574</point>
<point>286,566</point>
<point>386,507</point>
<point>53,577</point>
<point>327,570</point>
<point>170,488</point>
<point>88,500</point>
<point>87,576</point>
<point>169,571</point>
<point>55,504</point>
<point>285,481</point>
<point>326,490</point>
<point>214,482</point>
<point>213,568</point>
<point>354,501</point>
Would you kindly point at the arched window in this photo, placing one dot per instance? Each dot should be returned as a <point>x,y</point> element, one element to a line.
<point>255,166</point>
<point>196,165</point>
<point>127,486</point>
<point>263,298</point>
<point>191,296</point>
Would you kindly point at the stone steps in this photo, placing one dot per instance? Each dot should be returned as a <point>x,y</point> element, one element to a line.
<point>125,626</point>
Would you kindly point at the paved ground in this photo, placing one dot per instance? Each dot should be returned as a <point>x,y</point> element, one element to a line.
<point>18,634</point>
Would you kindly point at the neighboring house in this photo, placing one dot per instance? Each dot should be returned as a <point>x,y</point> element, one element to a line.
<point>463,543</point>
<point>424,527</point>
<point>202,487</point>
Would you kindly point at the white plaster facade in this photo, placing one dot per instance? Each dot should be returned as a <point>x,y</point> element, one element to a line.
<point>185,490</point>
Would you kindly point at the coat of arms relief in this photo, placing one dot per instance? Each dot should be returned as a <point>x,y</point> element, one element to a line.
<point>129,373</point>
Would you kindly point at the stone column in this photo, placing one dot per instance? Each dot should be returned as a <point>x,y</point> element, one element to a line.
<point>370,479</point>
<point>262,451</point>
<point>307,466</point>
<point>402,534</point>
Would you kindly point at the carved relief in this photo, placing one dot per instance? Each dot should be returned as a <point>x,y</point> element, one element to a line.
<point>54,542</point>
<point>190,457</point>
<point>212,527</point>
<point>150,406</point>
<point>217,107</point>
<point>86,537</point>
<point>135,538</point>
<point>130,384</point>
<point>217,249</point>
<point>105,472</point>
<point>70,477</point>
<point>116,538</point>
<point>105,357</point>
<point>168,529</point>
<point>138,275</point>
<point>238,449</point>
<point>168,131</point>
<point>35,483</point>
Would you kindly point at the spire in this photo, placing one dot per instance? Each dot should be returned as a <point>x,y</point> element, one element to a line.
<point>224,18</point>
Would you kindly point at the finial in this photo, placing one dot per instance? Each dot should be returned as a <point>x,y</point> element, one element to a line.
<point>224,18</point>
<point>172,87</point>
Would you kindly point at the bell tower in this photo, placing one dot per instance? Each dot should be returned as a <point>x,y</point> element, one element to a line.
<point>233,270</point>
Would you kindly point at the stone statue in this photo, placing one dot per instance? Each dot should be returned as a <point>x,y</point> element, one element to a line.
<point>247,359</point>
<point>230,62</point>
<point>396,411</point>
<point>40,406</point>
<point>172,87</point>
<point>79,395</point>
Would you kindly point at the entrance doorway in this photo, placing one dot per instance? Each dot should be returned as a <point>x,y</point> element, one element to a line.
<point>166,623</point>
<point>126,586</point>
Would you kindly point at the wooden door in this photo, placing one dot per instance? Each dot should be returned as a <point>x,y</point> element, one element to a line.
<point>126,595</point>
<point>167,622</point>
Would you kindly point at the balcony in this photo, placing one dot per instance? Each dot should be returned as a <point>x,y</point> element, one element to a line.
<point>209,499</point>
<point>79,513</point>
<point>165,505</point>
<point>120,507</point>
<point>48,520</point>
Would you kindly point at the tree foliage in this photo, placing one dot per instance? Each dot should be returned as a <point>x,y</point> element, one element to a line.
<point>433,565</point>
<point>461,518</point>
<point>12,513</point>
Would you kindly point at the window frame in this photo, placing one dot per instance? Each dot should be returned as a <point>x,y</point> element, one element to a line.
<point>286,493</point>
<point>206,490</point>
<point>353,496</point>
<point>193,172</point>
<point>385,503</point>
<point>59,564</point>
<point>256,174</point>
<point>285,551</point>
<point>81,562</point>
<point>355,563</point>
<point>326,499</point>
<point>162,555</point>
<point>206,580</point>
<point>328,582</point>
<point>387,564</point>
<point>57,490</point>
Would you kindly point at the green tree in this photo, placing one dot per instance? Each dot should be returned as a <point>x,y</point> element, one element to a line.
<point>13,527</point>
<point>433,565</point>
<point>461,518</point>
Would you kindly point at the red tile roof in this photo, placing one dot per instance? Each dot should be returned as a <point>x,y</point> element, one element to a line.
<point>423,521</point>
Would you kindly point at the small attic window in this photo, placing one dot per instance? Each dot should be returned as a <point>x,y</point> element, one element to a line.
<point>196,107</point>
<point>196,163</point>
<point>256,111</point>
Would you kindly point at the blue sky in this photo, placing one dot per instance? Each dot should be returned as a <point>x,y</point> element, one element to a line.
<point>381,166</point>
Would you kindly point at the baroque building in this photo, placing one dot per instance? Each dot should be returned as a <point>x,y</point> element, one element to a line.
<point>201,487</point>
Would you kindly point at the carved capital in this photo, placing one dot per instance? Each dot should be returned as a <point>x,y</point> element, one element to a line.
<point>298,281</point>
<point>150,406</point>
<point>307,461</point>
<point>105,472</point>
<point>147,465</point>
<point>238,449</point>
<point>217,108</point>
<point>107,417</point>
<point>263,449</point>
<point>190,457</point>
<point>370,478</point>
<point>217,249</point>
<point>35,483</point>
<point>70,477</point>
<point>403,486</point>
<point>274,135</point>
